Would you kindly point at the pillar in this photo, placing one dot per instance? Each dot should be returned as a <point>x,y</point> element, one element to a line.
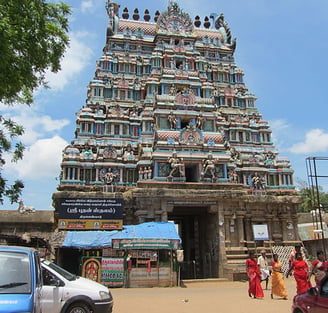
<point>240,228</point>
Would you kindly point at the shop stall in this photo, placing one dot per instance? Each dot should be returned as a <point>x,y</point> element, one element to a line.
<point>143,255</point>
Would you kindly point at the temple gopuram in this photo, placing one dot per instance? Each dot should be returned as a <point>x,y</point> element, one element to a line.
<point>170,130</point>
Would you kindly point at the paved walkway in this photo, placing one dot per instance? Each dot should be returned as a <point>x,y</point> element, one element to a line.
<point>212,296</point>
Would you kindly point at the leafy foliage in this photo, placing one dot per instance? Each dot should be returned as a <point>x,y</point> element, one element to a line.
<point>310,198</point>
<point>307,200</point>
<point>33,39</point>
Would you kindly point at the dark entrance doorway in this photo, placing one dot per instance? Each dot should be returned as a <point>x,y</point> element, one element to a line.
<point>69,259</point>
<point>197,238</point>
<point>191,171</point>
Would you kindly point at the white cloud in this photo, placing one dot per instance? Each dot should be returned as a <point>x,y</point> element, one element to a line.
<point>76,58</point>
<point>35,126</point>
<point>279,125</point>
<point>41,160</point>
<point>86,5</point>
<point>316,140</point>
<point>280,128</point>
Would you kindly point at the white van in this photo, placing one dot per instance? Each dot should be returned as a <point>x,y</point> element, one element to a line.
<point>64,292</point>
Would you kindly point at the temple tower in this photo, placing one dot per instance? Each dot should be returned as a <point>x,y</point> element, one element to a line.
<point>170,126</point>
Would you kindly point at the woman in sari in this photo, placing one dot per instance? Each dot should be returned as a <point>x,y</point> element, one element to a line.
<point>301,275</point>
<point>319,267</point>
<point>254,277</point>
<point>277,279</point>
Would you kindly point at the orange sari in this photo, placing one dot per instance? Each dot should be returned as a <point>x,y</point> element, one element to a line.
<point>277,279</point>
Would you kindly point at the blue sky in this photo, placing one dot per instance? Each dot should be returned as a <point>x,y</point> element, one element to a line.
<point>282,47</point>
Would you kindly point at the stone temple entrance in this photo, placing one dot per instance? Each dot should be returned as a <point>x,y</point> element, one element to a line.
<point>198,241</point>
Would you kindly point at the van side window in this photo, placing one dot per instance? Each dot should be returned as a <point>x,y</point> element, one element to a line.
<point>48,278</point>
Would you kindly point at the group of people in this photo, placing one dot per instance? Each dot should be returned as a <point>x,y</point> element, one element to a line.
<point>258,272</point>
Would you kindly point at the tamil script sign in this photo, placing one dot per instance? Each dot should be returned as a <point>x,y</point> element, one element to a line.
<point>145,243</point>
<point>90,213</point>
<point>112,272</point>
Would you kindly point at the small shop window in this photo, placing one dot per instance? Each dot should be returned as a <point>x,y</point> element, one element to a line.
<point>144,258</point>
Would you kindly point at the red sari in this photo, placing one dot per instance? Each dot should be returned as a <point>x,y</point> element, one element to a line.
<point>254,279</point>
<point>301,276</point>
<point>319,270</point>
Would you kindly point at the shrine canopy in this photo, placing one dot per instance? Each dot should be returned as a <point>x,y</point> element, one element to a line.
<point>152,235</point>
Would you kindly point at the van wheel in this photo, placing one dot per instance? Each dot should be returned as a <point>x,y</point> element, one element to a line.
<point>78,307</point>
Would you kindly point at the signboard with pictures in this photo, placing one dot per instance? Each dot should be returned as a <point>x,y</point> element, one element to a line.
<point>260,232</point>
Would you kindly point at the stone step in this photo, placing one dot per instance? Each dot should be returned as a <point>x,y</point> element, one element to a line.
<point>237,256</point>
<point>234,261</point>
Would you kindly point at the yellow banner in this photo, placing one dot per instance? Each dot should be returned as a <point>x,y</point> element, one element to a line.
<point>90,224</point>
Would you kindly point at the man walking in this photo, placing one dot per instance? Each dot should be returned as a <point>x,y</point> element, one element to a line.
<point>262,262</point>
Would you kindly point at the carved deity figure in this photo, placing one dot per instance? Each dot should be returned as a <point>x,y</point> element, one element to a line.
<point>173,91</point>
<point>109,177</point>
<point>209,167</point>
<point>128,154</point>
<point>234,157</point>
<point>233,176</point>
<point>176,165</point>
<point>257,182</point>
<point>148,172</point>
<point>269,159</point>
<point>172,120</point>
<point>141,173</point>
<point>87,152</point>
<point>200,122</point>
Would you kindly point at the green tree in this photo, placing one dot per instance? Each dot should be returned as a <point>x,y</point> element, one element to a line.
<point>310,197</point>
<point>33,39</point>
<point>307,200</point>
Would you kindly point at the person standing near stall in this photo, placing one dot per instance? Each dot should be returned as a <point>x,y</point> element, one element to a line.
<point>254,277</point>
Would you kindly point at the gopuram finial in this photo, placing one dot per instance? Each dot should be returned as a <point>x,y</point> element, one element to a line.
<point>173,4</point>
<point>112,11</point>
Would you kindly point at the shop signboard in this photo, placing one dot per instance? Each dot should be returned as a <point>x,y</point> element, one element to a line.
<point>112,272</point>
<point>145,243</point>
<point>90,213</point>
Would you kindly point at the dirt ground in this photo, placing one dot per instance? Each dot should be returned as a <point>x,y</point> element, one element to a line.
<point>200,297</point>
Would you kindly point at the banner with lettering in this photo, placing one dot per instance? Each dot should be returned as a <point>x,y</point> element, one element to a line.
<point>90,213</point>
<point>112,272</point>
<point>145,243</point>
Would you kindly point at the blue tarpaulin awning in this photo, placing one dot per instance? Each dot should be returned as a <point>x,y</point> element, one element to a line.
<point>96,239</point>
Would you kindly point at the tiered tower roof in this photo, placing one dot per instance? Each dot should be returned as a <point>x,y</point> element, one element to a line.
<point>169,104</point>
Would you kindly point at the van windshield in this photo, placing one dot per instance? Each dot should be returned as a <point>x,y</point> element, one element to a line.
<point>15,275</point>
<point>60,270</point>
